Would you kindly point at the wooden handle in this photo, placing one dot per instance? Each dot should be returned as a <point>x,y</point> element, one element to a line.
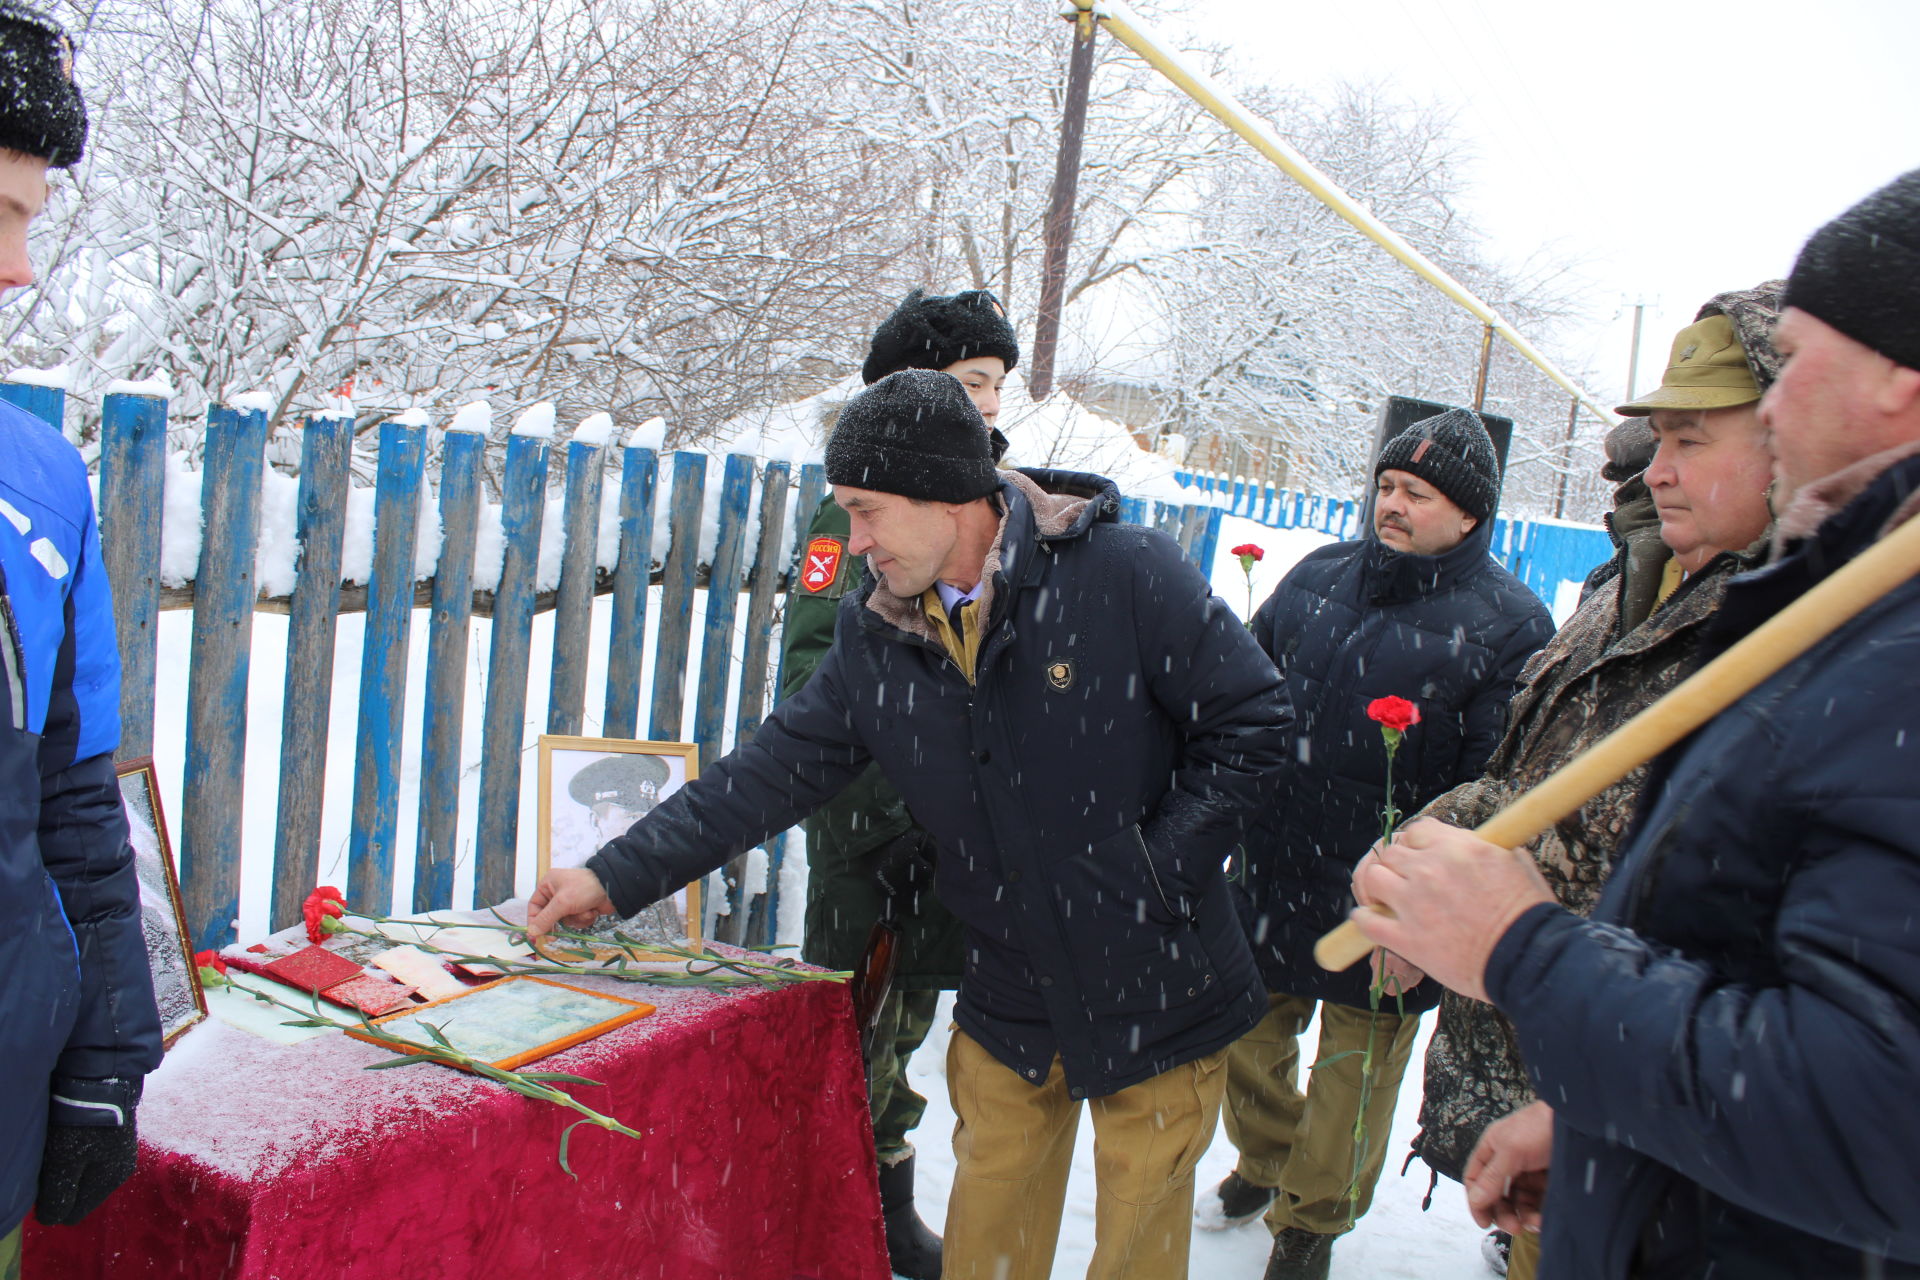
<point>1687,706</point>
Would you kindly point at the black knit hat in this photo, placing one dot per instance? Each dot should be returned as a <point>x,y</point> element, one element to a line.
<point>1452,452</point>
<point>41,113</point>
<point>932,333</point>
<point>916,434</point>
<point>1861,272</point>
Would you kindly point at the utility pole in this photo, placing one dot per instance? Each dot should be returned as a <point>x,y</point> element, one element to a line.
<point>1486,359</point>
<point>1059,229</point>
<point>1633,359</point>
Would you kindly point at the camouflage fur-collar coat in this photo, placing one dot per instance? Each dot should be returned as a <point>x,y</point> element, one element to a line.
<point>1587,682</point>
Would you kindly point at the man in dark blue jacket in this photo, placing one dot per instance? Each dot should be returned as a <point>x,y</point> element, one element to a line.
<point>78,1027</point>
<point>1726,1051</point>
<point>1084,729</point>
<point>1419,611</point>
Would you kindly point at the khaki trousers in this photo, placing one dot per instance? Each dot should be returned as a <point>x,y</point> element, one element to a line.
<point>1523,1261</point>
<point>1304,1143</point>
<point>1013,1147</point>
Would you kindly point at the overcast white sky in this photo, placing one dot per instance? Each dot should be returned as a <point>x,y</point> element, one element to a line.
<point>1673,150</point>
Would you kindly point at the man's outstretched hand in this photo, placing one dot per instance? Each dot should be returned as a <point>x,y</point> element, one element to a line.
<point>566,895</point>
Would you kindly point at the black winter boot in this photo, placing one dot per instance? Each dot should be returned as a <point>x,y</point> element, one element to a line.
<point>913,1250</point>
<point>1300,1255</point>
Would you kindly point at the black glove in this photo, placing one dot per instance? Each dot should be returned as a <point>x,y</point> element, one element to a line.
<point>91,1147</point>
<point>903,869</point>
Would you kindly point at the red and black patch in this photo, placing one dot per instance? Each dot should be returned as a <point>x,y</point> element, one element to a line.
<point>822,564</point>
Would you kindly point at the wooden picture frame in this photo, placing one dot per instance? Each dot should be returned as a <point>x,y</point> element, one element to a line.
<point>508,1024</point>
<point>176,980</point>
<point>572,825</point>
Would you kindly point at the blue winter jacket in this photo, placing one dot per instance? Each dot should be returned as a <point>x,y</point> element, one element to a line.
<point>1350,623</point>
<point>1731,1045</point>
<point>77,1017</point>
<point>1084,793</point>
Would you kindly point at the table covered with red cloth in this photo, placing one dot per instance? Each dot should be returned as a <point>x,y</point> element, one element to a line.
<point>262,1161</point>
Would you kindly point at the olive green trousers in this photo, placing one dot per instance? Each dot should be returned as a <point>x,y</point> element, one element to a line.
<point>905,1019</point>
<point>1304,1143</point>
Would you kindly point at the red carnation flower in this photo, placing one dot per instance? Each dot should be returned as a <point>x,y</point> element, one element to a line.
<point>1250,550</point>
<point>209,960</point>
<point>323,902</point>
<point>1395,713</point>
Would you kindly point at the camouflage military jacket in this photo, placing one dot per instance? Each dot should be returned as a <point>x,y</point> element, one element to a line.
<point>1587,682</point>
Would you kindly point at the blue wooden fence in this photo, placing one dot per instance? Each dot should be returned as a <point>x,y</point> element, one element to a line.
<point>1543,554</point>
<point>225,594</point>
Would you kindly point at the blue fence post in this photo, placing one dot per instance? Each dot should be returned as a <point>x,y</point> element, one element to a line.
<point>769,561</point>
<point>579,572</point>
<point>443,718</point>
<point>626,645</point>
<point>133,477</point>
<point>1133,510</point>
<point>1209,542</point>
<point>716,656</point>
<point>320,523</point>
<point>676,597</point>
<point>49,404</point>
<point>522,510</point>
<point>812,489</point>
<point>383,666</point>
<point>221,649</point>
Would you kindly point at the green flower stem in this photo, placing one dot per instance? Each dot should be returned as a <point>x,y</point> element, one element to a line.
<point>531,1085</point>
<point>721,971</point>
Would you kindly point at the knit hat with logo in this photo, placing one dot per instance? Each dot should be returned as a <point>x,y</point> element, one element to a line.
<point>1452,452</point>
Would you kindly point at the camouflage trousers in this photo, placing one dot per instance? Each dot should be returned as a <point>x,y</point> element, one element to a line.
<point>10,1254</point>
<point>904,1022</point>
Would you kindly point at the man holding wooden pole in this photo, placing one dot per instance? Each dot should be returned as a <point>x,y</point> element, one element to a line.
<point>1727,1048</point>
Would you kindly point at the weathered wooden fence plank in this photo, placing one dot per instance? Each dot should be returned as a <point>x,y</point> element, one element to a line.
<point>443,718</point>
<point>813,487</point>
<point>675,637</point>
<point>133,476</point>
<point>383,668</point>
<point>221,649</point>
<point>626,645</point>
<point>49,404</point>
<point>523,502</point>
<point>320,523</point>
<point>768,562</point>
<point>723,605</point>
<point>573,614</point>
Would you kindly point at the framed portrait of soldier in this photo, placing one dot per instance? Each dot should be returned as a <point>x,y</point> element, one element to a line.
<point>176,982</point>
<point>593,789</point>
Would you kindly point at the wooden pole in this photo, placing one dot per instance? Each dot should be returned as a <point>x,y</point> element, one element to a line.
<point>1486,359</point>
<point>1059,229</point>
<point>1687,706</point>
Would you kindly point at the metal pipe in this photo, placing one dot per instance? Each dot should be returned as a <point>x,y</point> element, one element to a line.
<point>1118,18</point>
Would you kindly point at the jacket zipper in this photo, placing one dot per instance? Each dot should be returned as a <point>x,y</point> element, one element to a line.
<point>13,657</point>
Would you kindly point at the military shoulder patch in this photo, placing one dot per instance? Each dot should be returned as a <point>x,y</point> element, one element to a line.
<point>822,563</point>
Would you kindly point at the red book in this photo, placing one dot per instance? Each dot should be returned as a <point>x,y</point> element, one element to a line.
<point>311,969</point>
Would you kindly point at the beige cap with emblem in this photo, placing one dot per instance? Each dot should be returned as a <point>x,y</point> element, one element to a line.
<point>1707,370</point>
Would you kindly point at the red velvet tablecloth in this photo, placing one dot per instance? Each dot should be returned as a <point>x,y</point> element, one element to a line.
<point>261,1161</point>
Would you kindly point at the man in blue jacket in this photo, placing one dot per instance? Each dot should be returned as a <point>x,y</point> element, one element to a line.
<point>1418,611</point>
<point>78,1027</point>
<point>1084,729</point>
<point>1726,1051</point>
